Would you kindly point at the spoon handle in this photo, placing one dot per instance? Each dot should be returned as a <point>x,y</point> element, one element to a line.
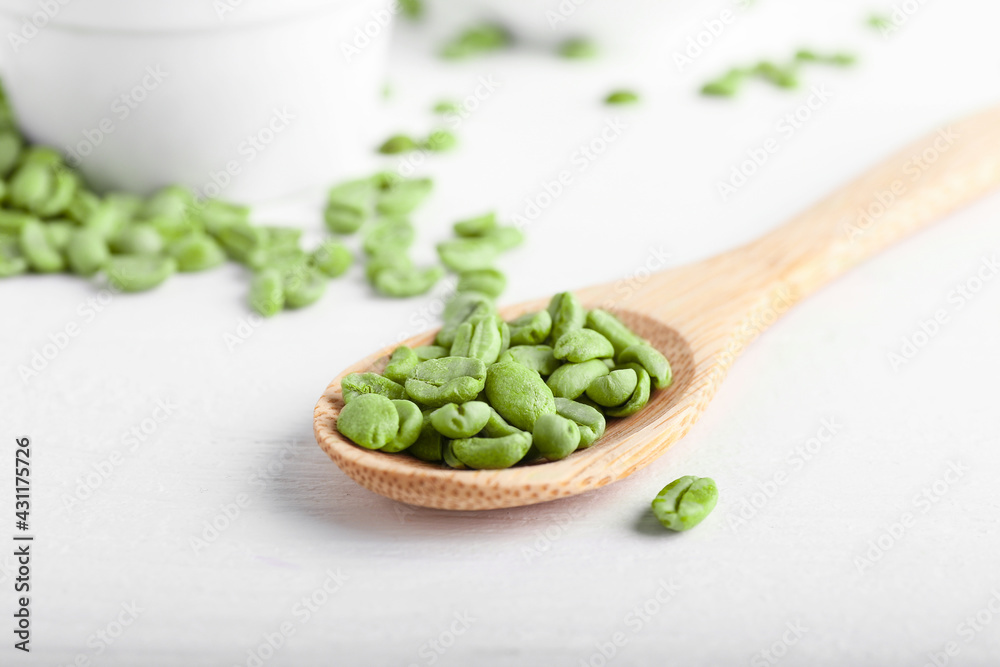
<point>745,290</point>
<point>921,184</point>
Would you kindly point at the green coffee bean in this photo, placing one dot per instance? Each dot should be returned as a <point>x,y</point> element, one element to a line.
<point>175,229</point>
<point>613,389</point>
<point>429,445</point>
<point>612,328</point>
<point>639,398</point>
<point>685,502</point>
<point>621,97</point>
<point>304,288</point>
<point>490,282</point>
<point>397,233</point>
<point>481,338</point>
<point>571,380</point>
<point>138,273</point>
<point>398,196</point>
<point>650,359</point>
<point>11,145</point>
<point>138,239</point>
<point>356,384</point>
<point>445,107</point>
<point>332,258</point>
<point>387,259</point>
<point>447,380</point>
<point>196,252</point>
<point>12,261</point>
<point>411,423</point>
<point>503,238</point>
<point>440,141</point>
<point>125,204</point>
<point>286,260</point>
<point>173,201</point>
<point>475,41</point>
<point>401,364</point>
<point>277,238</point>
<point>448,454</point>
<point>783,77</point>
<point>476,226</point>
<point>532,455</point>
<point>578,49</point>
<point>396,144</point>
<point>504,337</point>
<point>267,292</point>
<point>265,247</point>
<point>42,155</point>
<point>11,222</point>
<point>58,233</point>
<point>87,252</point>
<point>726,85</point>
<point>519,394</point>
<point>216,214</point>
<point>398,283</point>
<point>555,437</point>
<point>412,9</point>
<point>839,59</point>
<point>492,453</point>
<point>441,371</point>
<point>38,249</point>
<point>425,352</point>
<point>588,419</point>
<point>349,205</point>
<point>31,186</point>
<point>465,306</point>
<point>531,328</point>
<point>109,217</point>
<point>538,358</point>
<point>65,185</point>
<point>82,206</point>
<point>468,254</point>
<point>567,314</point>
<point>581,345</point>
<point>461,420</point>
<point>461,308</point>
<point>369,420</point>
<point>496,427</point>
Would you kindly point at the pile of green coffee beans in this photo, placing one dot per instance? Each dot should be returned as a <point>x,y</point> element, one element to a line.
<point>379,207</point>
<point>782,75</point>
<point>51,222</point>
<point>490,394</point>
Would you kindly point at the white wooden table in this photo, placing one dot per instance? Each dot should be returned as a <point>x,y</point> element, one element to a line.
<point>184,516</point>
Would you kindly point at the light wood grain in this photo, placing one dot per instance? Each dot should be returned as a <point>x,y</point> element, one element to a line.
<point>701,317</point>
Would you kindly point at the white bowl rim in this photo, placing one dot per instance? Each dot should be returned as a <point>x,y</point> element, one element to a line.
<point>168,16</point>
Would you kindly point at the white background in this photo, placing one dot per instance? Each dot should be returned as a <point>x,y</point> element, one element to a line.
<point>551,584</point>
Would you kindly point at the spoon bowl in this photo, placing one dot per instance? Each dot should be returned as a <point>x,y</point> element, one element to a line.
<point>625,447</point>
<point>700,317</point>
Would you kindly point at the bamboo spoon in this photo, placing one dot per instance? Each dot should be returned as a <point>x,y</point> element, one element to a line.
<point>701,317</point>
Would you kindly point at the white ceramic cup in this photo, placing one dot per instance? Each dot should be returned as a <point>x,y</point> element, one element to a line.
<point>240,99</point>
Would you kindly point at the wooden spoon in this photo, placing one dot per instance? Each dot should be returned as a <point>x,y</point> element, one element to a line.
<point>701,317</point>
